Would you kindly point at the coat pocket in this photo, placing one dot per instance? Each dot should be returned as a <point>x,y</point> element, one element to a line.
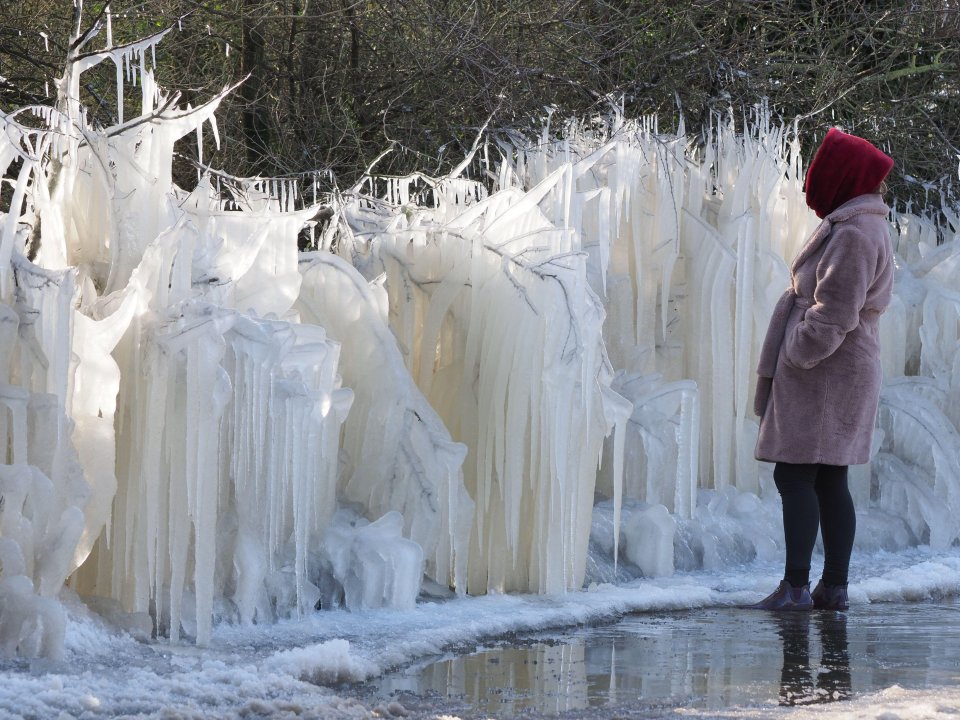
<point>853,395</point>
<point>796,317</point>
<point>762,395</point>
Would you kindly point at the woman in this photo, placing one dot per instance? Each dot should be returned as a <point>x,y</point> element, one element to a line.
<point>819,371</point>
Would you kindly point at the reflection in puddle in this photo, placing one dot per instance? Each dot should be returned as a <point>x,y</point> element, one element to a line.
<point>549,678</point>
<point>802,683</point>
<point>709,659</point>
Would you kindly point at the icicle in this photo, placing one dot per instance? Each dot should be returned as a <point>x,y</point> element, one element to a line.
<point>119,64</point>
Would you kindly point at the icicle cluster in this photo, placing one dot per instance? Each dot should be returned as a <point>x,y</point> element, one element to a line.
<point>688,249</point>
<point>42,486</point>
<point>489,300</point>
<point>401,455</point>
<point>917,468</point>
<point>170,428</point>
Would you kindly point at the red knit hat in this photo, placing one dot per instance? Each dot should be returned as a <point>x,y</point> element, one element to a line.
<point>844,167</point>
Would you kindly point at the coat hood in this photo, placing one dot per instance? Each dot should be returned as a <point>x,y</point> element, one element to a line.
<point>844,167</point>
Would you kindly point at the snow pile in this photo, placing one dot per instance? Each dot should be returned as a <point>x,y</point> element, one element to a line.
<point>327,663</point>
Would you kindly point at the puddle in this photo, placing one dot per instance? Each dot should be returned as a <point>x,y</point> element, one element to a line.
<point>708,660</point>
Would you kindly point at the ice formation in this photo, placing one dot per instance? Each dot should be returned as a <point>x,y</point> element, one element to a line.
<point>402,457</point>
<point>173,430</point>
<point>648,540</point>
<point>530,397</point>
<point>199,422</point>
<point>370,565</point>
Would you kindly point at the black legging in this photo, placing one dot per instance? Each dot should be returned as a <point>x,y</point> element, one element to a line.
<point>811,493</point>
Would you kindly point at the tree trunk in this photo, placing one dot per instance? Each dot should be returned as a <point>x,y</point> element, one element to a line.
<point>256,128</point>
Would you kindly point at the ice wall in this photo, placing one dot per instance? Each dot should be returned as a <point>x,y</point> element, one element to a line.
<point>170,429</point>
<point>689,249</point>
<point>400,455</point>
<point>489,300</point>
<point>916,473</point>
<point>43,488</point>
<point>229,419</point>
<point>206,409</point>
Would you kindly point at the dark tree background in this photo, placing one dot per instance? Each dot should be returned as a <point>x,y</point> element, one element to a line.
<point>332,83</point>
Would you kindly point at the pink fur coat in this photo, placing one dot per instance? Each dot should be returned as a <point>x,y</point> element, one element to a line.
<point>819,372</point>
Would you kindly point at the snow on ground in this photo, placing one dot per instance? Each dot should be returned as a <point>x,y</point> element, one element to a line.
<point>293,669</point>
<point>893,703</point>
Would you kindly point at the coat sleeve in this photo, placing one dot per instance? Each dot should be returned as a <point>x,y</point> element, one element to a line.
<point>847,269</point>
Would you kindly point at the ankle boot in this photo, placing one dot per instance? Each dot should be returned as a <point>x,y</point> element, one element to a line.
<point>830,597</point>
<point>785,597</point>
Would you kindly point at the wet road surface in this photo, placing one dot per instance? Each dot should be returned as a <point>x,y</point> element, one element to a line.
<point>702,661</point>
